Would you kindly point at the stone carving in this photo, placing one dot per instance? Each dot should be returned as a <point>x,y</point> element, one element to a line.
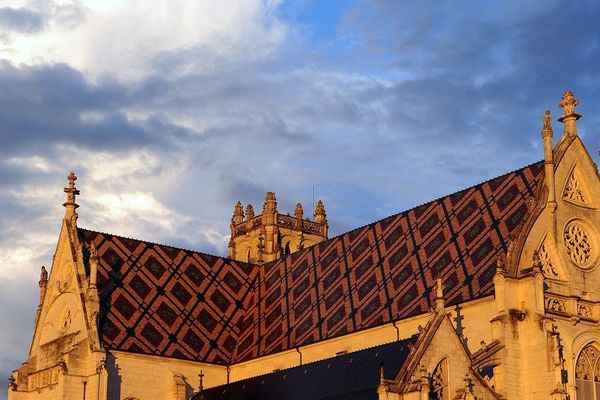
<point>584,310</point>
<point>578,244</point>
<point>573,190</point>
<point>568,103</point>
<point>44,378</point>
<point>548,268</point>
<point>63,284</point>
<point>554,304</point>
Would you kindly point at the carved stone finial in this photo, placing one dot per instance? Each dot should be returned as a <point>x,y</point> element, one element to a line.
<point>249,212</point>
<point>547,128</point>
<point>93,252</point>
<point>568,103</point>
<point>381,374</point>
<point>201,376</point>
<point>43,283</point>
<point>569,116</point>
<point>439,295</point>
<point>238,214</point>
<point>499,265</point>
<point>270,205</point>
<point>320,215</point>
<point>536,261</point>
<point>93,265</point>
<point>70,204</point>
<point>43,274</point>
<point>298,212</point>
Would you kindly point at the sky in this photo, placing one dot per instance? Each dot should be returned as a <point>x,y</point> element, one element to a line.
<point>171,111</point>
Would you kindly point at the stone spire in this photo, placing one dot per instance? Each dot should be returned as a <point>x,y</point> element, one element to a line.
<point>238,213</point>
<point>70,205</point>
<point>549,161</point>
<point>569,117</point>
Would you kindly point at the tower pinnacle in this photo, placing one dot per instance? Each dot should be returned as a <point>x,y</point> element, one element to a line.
<point>569,117</point>
<point>71,192</point>
<point>549,160</point>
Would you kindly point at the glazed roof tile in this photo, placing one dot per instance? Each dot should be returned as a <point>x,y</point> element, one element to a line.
<point>161,300</point>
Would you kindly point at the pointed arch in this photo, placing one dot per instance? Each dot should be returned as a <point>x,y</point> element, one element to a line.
<point>438,386</point>
<point>587,372</point>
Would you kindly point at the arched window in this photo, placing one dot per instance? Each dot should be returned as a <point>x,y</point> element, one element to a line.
<point>587,373</point>
<point>438,386</point>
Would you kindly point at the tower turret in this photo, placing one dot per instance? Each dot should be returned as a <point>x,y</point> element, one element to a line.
<point>269,235</point>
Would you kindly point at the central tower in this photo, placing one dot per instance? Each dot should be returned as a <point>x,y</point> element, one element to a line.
<point>265,237</point>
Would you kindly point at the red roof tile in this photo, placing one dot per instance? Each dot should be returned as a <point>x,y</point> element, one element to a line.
<point>386,270</point>
<point>165,301</point>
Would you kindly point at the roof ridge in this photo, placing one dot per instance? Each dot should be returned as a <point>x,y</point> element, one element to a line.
<point>409,209</point>
<point>166,245</point>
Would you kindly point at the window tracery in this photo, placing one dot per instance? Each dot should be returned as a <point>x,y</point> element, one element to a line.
<point>573,190</point>
<point>578,244</point>
<point>548,268</point>
<point>439,381</point>
<point>587,373</point>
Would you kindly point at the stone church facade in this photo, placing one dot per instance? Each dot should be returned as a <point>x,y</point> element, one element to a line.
<point>492,292</point>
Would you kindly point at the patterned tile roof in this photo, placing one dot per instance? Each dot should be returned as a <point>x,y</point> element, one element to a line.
<point>351,376</point>
<point>386,270</point>
<point>165,301</point>
<point>160,300</point>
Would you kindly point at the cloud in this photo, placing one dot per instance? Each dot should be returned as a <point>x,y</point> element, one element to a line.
<point>21,20</point>
<point>208,103</point>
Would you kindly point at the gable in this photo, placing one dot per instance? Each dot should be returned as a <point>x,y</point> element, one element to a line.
<point>62,322</point>
<point>568,237</point>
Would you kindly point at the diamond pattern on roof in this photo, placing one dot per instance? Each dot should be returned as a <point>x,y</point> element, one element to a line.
<point>165,301</point>
<point>386,270</point>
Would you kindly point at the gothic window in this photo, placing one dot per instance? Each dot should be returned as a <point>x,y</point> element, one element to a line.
<point>438,386</point>
<point>587,374</point>
<point>578,244</point>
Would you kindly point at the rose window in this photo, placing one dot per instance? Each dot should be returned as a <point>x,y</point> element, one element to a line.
<point>578,244</point>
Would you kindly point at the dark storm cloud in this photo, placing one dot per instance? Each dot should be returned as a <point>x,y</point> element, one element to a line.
<point>21,20</point>
<point>42,107</point>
